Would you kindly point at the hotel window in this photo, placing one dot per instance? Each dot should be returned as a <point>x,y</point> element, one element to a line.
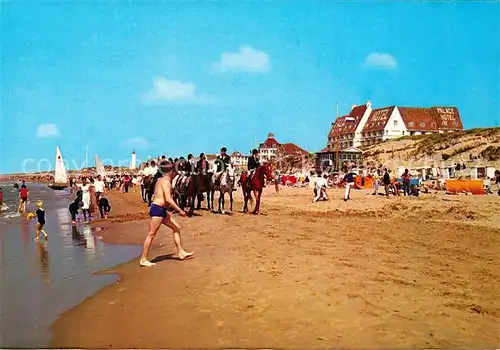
<point>395,123</point>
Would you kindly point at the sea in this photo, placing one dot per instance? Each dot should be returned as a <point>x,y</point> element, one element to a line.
<point>41,280</point>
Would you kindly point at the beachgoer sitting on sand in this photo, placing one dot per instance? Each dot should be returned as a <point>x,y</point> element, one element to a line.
<point>162,200</point>
<point>320,189</point>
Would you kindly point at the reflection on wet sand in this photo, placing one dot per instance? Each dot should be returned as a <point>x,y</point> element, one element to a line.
<point>44,261</point>
<point>90,240</point>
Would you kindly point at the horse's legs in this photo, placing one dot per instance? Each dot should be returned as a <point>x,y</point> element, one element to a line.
<point>190,201</point>
<point>198,206</point>
<point>231,200</point>
<point>211,202</point>
<point>245,199</point>
<point>223,197</point>
<point>257,201</point>
<point>220,202</point>
<point>150,198</point>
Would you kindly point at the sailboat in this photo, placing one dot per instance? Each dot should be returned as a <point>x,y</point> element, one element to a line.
<point>60,176</point>
<point>99,168</point>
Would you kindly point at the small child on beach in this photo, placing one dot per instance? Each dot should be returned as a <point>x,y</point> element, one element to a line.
<point>104,207</point>
<point>40,215</point>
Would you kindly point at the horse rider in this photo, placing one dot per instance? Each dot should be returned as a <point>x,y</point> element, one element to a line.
<point>253,162</point>
<point>190,165</point>
<point>202,165</point>
<point>223,163</point>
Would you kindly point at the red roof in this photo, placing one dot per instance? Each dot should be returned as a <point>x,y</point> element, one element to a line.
<point>270,142</point>
<point>378,119</point>
<point>293,149</point>
<point>448,118</point>
<point>358,111</point>
<point>342,126</point>
<point>419,119</point>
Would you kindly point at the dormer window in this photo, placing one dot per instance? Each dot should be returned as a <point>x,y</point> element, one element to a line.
<point>411,124</point>
<point>422,124</point>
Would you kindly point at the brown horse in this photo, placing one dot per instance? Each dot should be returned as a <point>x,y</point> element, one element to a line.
<point>255,185</point>
<point>191,190</point>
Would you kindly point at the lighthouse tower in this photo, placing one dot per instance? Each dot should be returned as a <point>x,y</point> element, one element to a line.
<point>133,161</point>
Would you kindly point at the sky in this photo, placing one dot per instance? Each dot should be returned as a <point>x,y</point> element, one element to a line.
<point>187,77</point>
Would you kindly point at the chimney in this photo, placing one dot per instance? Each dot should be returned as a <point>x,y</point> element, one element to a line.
<point>368,104</point>
<point>353,106</point>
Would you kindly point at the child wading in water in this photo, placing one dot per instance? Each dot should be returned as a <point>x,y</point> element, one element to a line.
<point>40,215</point>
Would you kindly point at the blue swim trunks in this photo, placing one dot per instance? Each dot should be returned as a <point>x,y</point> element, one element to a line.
<point>157,211</point>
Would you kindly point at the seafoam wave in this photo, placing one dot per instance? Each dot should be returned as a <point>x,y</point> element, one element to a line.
<point>11,215</point>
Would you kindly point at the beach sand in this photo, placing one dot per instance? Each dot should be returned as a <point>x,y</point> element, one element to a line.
<point>370,273</point>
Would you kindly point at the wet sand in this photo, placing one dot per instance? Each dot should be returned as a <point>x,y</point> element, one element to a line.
<point>369,273</point>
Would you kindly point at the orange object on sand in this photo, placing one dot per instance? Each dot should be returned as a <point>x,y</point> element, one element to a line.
<point>358,180</point>
<point>458,186</point>
<point>368,183</point>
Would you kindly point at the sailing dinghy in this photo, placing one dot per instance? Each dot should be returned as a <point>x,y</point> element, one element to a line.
<point>60,176</point>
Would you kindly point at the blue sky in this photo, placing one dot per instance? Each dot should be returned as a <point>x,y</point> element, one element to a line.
<point>173,78</point>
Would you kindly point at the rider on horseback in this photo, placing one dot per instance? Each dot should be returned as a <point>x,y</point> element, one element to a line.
<point>190,165</point>
<point>184,170</point>
<point>223,162</point>
<point>253,162</point>
<point>202,165</point>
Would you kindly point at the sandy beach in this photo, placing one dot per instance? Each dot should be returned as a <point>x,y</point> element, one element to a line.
<point>369,273</point>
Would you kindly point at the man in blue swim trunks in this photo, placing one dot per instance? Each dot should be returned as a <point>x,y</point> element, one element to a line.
<point>162,200</point>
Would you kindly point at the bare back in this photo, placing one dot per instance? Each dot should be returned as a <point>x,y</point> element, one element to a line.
<point>163,192</point>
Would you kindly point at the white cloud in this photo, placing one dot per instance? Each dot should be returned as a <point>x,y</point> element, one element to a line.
<point>247,59</point>
<point>174,91</point>
<point>47,130</point>
<point>137,143</point>
<point>380,60</point>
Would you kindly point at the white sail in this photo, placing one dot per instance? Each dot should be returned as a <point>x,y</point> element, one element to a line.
<point>60,176</point>
<point>99,168</point>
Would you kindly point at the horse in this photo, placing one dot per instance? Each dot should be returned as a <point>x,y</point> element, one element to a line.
<point>189,188</point>
<point>255,185</point>
<point>227,181</point>
<point>204,184</point>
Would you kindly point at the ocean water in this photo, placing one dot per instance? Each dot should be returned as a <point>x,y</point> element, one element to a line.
<point>41,280</point>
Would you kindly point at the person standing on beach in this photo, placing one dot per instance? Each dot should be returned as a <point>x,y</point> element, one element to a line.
<point>386,180</point>
<point>99,187</point>
<point>23,198</point>
<point>349,180</point>
<point>85,188</point>
<point>40,215</point>
<point>406,182</point>
<point>162,200</point>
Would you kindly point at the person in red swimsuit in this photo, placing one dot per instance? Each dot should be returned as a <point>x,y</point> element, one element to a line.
<point>23,198</point>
